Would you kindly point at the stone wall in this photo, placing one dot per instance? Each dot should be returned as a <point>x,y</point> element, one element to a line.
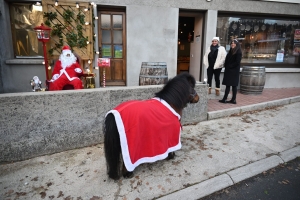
<point>40,123</point>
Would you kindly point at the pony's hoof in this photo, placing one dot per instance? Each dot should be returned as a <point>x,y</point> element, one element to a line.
<point>128,175</point>
<point>171,155</point>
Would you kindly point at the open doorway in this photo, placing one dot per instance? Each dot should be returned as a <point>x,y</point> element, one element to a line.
<point>185,37</point>
<point>190,39</point>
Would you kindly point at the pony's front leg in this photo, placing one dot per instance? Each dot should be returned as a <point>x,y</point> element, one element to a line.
<point>126,174</point>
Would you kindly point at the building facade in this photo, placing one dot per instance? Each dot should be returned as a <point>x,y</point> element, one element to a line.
<point>167,31</point>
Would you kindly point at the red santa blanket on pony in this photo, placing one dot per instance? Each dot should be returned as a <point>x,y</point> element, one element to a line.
<point>148,130</point>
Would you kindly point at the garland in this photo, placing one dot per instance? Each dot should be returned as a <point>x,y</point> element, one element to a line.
<point>73,38</point>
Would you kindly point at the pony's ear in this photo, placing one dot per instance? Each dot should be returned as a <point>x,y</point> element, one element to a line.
<point>191,80</point>
<point>188,77</point>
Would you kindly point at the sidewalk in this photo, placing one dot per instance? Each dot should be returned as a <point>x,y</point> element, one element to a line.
<point>215,154</point>
<point>268,94</point>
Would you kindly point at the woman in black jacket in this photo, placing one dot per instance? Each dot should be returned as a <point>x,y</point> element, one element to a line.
<point>232,71</point>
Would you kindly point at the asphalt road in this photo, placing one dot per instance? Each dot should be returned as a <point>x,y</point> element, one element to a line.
<point>280,183</point>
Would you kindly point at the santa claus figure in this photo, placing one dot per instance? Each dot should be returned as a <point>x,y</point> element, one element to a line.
<point>36,84</point>
<point>66,71</point>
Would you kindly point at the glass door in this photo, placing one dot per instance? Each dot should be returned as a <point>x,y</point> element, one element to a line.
<point>112,45</point>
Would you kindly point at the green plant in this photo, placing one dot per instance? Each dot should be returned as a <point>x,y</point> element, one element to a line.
<point>82,42</point>
<point>57,30</point>
<point>50,17</point>
<point>71,39</point>
<point>79,30</point>
<point>68,15</point>
<point>80,18</point>
<point>70,30</point>
<point>51,51</point>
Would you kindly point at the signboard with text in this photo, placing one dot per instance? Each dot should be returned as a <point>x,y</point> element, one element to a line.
<point>104,62</point>
<point>279,56</point>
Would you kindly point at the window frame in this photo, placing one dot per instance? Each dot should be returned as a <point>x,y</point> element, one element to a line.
<point>269,17</point>
<point>11,4</point>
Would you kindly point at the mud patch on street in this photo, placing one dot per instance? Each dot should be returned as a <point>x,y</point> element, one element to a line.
<point>278,138</point>
<point>246,119</point>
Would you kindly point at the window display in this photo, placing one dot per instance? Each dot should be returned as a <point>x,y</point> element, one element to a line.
<point>267,41</point>
<point>24,17</point>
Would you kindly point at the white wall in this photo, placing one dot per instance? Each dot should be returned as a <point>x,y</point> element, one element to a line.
<point>151,37</point>
<point>282,78</point>
<point>196,46</point>
<point>209,32</point>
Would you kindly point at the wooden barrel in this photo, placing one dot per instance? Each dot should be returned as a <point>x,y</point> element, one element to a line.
<point>252,80</point>
<point>153,73</point>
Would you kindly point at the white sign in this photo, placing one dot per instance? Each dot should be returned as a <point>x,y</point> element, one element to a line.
<point>227,47</point>
<point>280,55</point>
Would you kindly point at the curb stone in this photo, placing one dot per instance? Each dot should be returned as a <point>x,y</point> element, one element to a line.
<point>295,99</point>
<point>255,168</point>
<point>259,106</point>
<point>279,102</point>
<point>290,154</point>
<point>232,177</point>
<point>201,189</point>
<point>223,113</point>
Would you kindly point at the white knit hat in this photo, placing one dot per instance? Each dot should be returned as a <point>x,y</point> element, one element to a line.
<point>216,38</point>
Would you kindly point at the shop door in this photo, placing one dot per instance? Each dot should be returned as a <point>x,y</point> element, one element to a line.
<point>112,45</point>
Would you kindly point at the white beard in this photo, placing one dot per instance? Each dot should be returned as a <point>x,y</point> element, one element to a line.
<point>67,61</point>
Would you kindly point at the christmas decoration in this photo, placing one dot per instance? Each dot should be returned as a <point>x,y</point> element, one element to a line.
<point>36,84</point>
<point>66,71</point>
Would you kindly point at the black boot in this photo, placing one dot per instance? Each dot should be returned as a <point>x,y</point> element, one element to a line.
<point>227,89</point>
<point>231,101</point>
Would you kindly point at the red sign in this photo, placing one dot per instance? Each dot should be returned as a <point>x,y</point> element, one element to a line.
<point>104,62</point>
<point>297,35</point>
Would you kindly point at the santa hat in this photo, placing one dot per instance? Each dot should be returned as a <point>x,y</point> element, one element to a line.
<point>66,50</point>
<point>216,38</point>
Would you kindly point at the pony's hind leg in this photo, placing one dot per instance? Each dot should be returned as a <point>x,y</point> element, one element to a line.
<point>171,155</point>
<point>127,174</point>
<point>112,147</point>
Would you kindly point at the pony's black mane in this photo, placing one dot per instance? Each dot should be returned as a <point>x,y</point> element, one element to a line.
<point>177,90</point>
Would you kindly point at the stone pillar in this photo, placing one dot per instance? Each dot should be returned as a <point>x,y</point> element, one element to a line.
<point>6,50</point>
<point>210,30</point>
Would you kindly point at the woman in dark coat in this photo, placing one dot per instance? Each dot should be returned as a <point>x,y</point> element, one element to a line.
<point>232,71</point>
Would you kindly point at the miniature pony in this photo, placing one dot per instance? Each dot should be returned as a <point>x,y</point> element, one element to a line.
<point>137,132</point>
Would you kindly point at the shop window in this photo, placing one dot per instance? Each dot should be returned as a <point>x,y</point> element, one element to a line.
<point>264,41</point>
<point>24,17</point>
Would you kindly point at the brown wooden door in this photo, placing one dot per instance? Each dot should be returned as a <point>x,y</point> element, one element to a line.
<point>112,45</point>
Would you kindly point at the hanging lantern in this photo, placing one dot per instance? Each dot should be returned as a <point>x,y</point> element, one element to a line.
<point>42,33</point>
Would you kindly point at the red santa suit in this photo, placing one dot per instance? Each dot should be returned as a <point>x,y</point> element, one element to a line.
<point>66,71</point>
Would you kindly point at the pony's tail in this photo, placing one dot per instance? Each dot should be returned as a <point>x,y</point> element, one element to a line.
<point>112,147</point>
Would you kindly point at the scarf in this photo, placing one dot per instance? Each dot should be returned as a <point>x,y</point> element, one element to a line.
<point>213,48</point>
